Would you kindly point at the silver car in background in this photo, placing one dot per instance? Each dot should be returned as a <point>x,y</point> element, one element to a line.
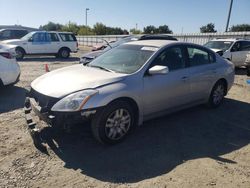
<point>130,84</point>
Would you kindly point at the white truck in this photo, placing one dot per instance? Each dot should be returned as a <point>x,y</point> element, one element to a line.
<point>60,44</point>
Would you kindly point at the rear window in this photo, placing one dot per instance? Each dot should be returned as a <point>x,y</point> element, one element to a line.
<point>67,37</point>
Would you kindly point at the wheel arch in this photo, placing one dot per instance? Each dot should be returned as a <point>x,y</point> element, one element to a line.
<point>19,47</point>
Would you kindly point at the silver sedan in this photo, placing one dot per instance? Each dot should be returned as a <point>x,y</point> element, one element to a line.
<point>130,84</point>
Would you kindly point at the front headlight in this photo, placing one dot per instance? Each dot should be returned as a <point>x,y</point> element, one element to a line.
<point>74,102</point>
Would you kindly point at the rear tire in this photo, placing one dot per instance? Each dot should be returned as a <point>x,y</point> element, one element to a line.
<point>64,53</point>
<point>217,95</point>
<point>20,53</point>
<point>113,123</point>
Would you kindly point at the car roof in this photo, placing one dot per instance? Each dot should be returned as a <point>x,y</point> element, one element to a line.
<point>60,32</point>
<point>230,39</point>
<point>154,43</point>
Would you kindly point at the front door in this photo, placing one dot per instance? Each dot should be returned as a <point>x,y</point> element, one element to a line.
<point>38,44</point>
<point>162,92</point>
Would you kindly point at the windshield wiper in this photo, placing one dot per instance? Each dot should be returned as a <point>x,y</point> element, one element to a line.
<point>99,67</point>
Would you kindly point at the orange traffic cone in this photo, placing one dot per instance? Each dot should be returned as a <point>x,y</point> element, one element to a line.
<point>46,67</point>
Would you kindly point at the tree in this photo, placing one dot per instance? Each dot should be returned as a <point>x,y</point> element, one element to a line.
<point>209,28</point>
<point>71,27</point>
<point>164,29</point>
<point>150,29</point>
<point>99,29</point>
<point>153,30</point>
<point>240,27</point>
<point>135,31</point>
<point>51,26</point>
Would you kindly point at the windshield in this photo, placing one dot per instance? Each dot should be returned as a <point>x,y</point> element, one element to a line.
<point>221,45</point>
<point>27,37</point>
<point>125,59</point>
<point>120,41</point>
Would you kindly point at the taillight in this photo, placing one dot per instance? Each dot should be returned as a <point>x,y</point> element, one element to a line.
<point>6,55</point>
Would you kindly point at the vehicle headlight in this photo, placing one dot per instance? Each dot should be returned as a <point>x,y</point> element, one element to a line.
<point>74,102</point>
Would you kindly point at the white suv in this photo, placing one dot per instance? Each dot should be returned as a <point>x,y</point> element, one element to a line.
<point>45,43</point>
<point>235,50</point>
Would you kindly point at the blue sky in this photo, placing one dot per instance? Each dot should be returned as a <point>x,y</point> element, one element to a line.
<point>186,15</point>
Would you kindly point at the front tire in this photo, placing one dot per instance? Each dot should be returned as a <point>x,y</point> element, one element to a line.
<point>20,53</point>
<point>112,124</point>
<point>217,95</point>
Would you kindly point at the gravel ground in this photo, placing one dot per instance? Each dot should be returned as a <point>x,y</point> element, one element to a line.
<point>197,147</point>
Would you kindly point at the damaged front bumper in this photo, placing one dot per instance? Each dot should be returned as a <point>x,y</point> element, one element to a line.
<point>55,120</point>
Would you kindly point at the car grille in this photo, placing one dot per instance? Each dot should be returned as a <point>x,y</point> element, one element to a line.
<point>45,102</point>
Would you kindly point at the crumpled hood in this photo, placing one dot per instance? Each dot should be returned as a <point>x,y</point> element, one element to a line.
<point>216,50</point>
<point>12,41</point>
<point>8,48</point>
<point>93,55</point>
<point>64,81</point>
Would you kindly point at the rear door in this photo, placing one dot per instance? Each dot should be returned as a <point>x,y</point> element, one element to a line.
<point>55,44</point>
<point>203,71</point>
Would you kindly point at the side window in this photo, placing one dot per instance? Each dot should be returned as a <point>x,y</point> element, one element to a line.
<point>245,46</point>
<point>67,37</point>
<point>20,33</point>
<point>40,37</point>
<point>53,37</point>
<point>236,47</point>
<point>198,56</point>
<point>6,34</point>
<point>171,57</point>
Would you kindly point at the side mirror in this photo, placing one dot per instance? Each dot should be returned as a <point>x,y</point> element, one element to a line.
<point>158,69</point>
<point>30,39</point>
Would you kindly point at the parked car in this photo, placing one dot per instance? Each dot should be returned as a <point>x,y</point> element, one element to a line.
<point>60,44</point>
<point>235,50</point>
<point>9,68</point>
<point>127,85</point>
<point>6,34</point>
<point>88,57</point>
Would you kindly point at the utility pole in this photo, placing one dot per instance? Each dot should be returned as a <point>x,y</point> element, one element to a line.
<point>229,15</point>
<point>86,23</point>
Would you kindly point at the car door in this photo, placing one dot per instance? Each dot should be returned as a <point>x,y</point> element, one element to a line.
<point>37,44</point>
<point>240,51</point>
<point>162,92</point>
<point>203,71</point>
<point>54,43</point>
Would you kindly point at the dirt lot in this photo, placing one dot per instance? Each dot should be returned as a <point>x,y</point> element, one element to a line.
<point>198,147</point>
